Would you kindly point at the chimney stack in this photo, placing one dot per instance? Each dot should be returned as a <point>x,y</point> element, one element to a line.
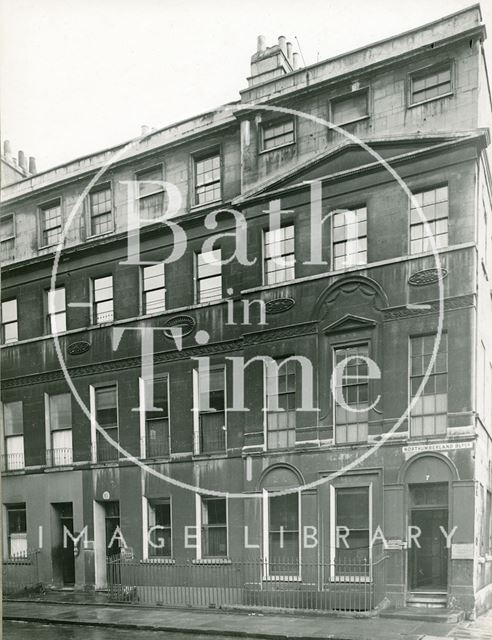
<point>289,51</point>
<point>22,159</point>
<point>269,63</point>
<point>32,165</point>
<point>282,44</point>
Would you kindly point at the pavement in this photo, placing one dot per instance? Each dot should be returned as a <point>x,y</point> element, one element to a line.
<point>236,624</point>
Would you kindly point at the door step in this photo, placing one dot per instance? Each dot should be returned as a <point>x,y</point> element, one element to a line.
<point>425,614</point>
<point>427,599</point>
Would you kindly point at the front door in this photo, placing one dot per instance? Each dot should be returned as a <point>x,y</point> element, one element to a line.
<point>112,522</point>
<point>68,559</point>
<point>427,554</point>
<point>429,564</point>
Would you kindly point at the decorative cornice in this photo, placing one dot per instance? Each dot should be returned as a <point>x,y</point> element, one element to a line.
<point>281,333</point>
<point>458,302</point>
<point>216,348</point>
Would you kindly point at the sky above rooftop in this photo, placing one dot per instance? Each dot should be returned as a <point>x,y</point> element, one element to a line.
<point>82,76</point>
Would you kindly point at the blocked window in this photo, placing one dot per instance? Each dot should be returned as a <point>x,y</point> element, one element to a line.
<point>283,534</point>
<point>352,552</point>
<point>209,275</point>
<point>435,209</point>
<point>10,326</point>
<point>279,255</point>
<point>13,425</point>
<point>281,393</point>
<point>431,83</point>
<point>106,413</point>
<point>349,238</point>
<point>151,194</point>
<point>207,179</point>
<point>352,390</point>
<point>349,108</point>
<point>429,413</point>
<point>51,223</point>
<point>277,134</point>
<point>7,238</point>
<point>160,528</point>
<point>57,310</point>
<point>214,527</point>
<point>103,299</point>
<point>154,290</point>
<point>101,210</point>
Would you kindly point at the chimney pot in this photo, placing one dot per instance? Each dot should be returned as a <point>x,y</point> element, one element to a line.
<point>289,51</point>
<point>6,148</point>
<point>295,61</point>
<point>144,130</point>
<point>261,44</point>
<point>22,159</point>
<point>282,45</point>
<point>32,165</point>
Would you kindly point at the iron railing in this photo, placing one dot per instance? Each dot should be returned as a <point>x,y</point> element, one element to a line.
<point>20,572</point>
<point>315,586</point>
<point>12,461</point>
<point>59,457</point>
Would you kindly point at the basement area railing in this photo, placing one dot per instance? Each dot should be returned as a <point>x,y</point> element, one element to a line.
<point>20,572</point>
<point>221,583</point>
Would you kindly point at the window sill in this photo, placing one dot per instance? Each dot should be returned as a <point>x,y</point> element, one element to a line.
<point>158,561</point>
<point>49,246</point>
<point>94,236</point>
<point>212,561</point>
<point>418,104</point>
<point>344,124</point>
<point>349,579</point>
<point>282,579</point>
<point>280,146</point>
<point>205,205</point>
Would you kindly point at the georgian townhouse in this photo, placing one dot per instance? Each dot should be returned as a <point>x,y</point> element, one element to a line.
<point>345,267</point>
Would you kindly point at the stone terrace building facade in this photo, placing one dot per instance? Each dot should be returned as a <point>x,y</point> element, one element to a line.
<point>422,101</point>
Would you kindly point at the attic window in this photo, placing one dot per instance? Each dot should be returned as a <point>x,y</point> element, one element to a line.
<point>430,84</point>
<point>277,134</point>
<point>350,108</point>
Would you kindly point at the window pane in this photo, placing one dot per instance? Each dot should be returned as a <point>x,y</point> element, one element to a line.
<point>60,411</point>
<point>106,407</point>
<point>207,179</point>
<point>13,420</point>
<point>9,311</point>
<point>349,108</point>
<point>277,134</point>
<point>7,227</point>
